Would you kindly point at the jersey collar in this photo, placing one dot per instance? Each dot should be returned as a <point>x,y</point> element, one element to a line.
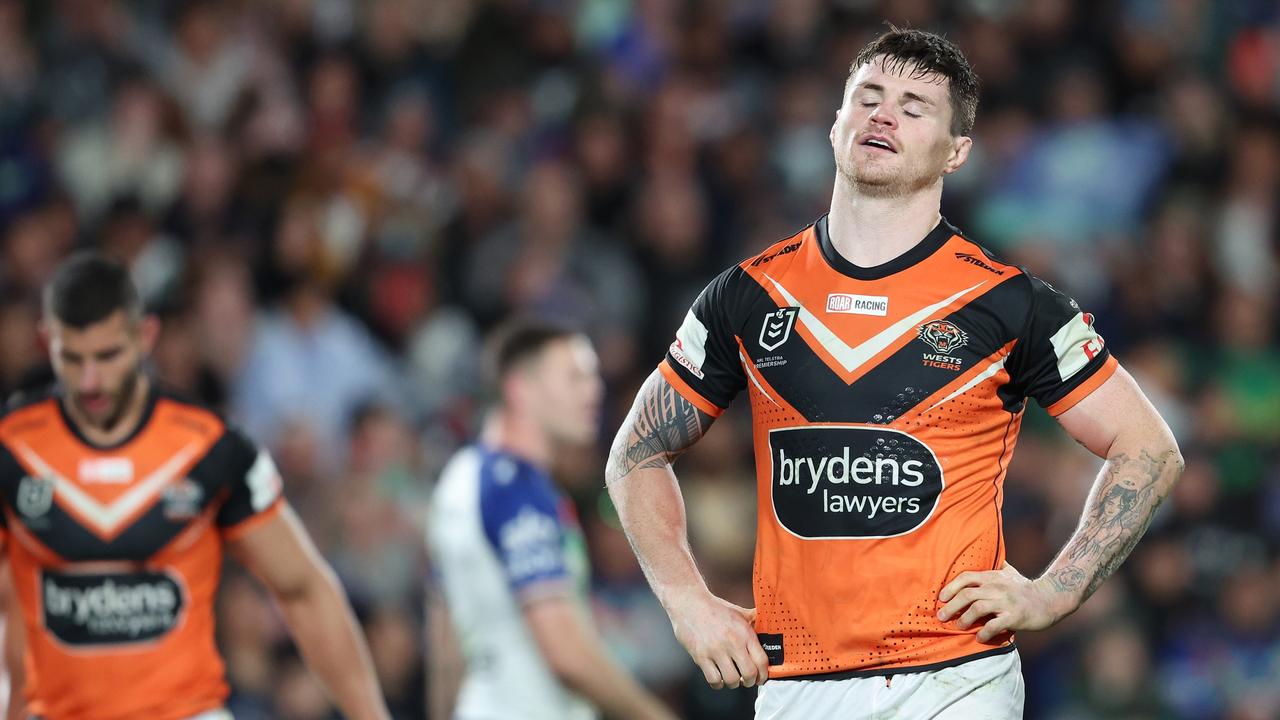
<point>153,395</point>
<point>936,238</point>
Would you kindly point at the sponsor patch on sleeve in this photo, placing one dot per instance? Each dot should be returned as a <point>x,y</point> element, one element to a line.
<point>264,482</point>
<point>690,346</point>
<point>531,547</point>
<point>1076,343</point>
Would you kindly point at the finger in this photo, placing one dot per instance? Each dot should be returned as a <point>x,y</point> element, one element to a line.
<point>960,602</point>
<point>745,660</point>
<point>760,658</point>
<point>749,614</point>
<point>997,626</point>
<point>976,612</point>
<point>729,676</point>
<point>746,668</point>
<point>711,673</point>
<point>961,581</point>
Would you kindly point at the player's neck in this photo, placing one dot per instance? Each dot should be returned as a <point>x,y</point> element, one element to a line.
<point>124,427</point>
<point>505,430</point>
<point>869,231</point>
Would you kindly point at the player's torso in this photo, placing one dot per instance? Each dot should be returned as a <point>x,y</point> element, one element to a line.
<point>116,560</point>
<point>505,669</point>
<point>881,436</point>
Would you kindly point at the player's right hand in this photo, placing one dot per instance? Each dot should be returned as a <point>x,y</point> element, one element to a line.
<point>721,639</point>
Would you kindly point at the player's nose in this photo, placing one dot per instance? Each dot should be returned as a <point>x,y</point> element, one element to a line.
<point>90,378</point>
<point>883,116</point>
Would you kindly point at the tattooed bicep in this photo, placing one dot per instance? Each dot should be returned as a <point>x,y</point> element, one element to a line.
<point>660,426</point>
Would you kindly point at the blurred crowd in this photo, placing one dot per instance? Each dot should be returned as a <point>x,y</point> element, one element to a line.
<point>329,202</point>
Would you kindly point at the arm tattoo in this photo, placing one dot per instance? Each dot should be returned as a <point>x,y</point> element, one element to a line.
<point>660,426</point>
<point>1116,515</point>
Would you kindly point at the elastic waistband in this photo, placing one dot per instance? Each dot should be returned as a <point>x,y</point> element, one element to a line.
<point>885,672</point>
<point>215,714</point>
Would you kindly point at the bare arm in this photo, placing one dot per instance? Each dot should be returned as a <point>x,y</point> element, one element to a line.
<point>1115,422</point>
<point>445,665</point>
<point>14,644</point>
<point>718,635</point>
<point>659,428</point>
<point>280,553</point>
<point>574,653</point>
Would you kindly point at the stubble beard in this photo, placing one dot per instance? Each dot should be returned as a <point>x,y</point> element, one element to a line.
<point>885,184</point>
<point>119,403</point>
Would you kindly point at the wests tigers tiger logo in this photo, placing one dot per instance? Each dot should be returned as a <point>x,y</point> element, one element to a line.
<point>943,336</point>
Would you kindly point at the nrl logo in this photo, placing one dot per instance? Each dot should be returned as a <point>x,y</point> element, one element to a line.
<point>777,327</point>
<point>943,336</point>
<point>35,496</point>
<point>182,500</point>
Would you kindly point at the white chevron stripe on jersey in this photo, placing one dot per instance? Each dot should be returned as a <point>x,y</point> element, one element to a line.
<point>746,368</point>
<point>992,369</point>
<point>852,358</point>
<point>108,518</point>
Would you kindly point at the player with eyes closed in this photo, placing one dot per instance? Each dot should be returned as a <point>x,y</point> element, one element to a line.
<point>888,360</point>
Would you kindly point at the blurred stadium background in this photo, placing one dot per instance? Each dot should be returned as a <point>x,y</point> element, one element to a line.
<point>330,201</point>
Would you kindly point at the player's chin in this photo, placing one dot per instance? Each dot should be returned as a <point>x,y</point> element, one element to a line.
<point>874,174</point>
<point>579,435</point>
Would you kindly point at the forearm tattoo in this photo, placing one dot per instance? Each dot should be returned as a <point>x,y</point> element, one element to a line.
<point>660,426</point>
<point>1115,517</point>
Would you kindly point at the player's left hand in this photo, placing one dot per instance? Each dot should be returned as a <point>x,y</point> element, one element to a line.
<point>1007,600</point>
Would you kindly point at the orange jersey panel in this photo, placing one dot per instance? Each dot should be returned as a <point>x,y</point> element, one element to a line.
<point>116,555</point>
<point>886,403</point>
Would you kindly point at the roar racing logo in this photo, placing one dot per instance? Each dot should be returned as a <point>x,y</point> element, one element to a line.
<point>852,481</point>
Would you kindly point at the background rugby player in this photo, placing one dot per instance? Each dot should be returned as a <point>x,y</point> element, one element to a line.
<point>511,560</point>
<point>118,501</point>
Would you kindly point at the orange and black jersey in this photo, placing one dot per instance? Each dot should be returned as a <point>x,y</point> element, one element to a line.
<point>116,554</point>
<point>886,403</point>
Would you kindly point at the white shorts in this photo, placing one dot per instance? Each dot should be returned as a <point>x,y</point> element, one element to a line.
<point>989,688</point>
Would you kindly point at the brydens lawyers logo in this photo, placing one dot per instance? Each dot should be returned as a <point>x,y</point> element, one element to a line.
<point>777,327</point>
<point>945,338</point>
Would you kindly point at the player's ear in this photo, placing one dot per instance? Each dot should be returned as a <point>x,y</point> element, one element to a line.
<point>515,390</point>
<point>960,147</point>
<point>44,333</point>
<point>149,332</point>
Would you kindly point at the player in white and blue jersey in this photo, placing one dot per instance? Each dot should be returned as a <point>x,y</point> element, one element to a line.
<point>509,556</point>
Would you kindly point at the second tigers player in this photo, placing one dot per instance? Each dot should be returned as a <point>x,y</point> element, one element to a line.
<point>117,502</point>
<point>888,360</point>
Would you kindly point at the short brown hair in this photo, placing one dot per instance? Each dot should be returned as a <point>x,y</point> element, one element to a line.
<point>929,54</point>
<point>87,288</point>
<point>513,344</point>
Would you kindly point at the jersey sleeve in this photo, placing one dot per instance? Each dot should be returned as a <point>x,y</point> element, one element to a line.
<point>255,485</point>
<point>702,362</point>
<point>523,527</point>
<point>1060,358</point>
<point>10,476</point>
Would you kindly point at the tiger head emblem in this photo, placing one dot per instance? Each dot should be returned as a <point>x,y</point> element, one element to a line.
<point>943,336</point>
